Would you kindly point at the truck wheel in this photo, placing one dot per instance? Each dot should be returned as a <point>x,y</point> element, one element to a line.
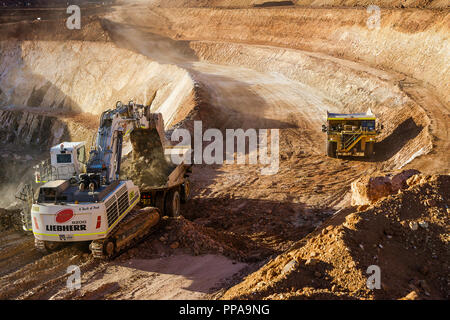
<point>331,149</point>
<point>368,152</point>
<point>173,203</point>
<point>186,192</point>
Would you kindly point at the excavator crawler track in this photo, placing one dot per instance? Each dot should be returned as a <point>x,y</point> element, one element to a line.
<point>134,228</point>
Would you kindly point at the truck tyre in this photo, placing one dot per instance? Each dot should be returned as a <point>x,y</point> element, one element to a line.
<point>368,152</point>
<point>173,203</point>
<point>331,149</point>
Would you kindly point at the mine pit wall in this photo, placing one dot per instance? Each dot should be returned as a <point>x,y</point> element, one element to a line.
<point>434,4</point>
<point>348,87</point>
<point>306,3</point>
<point>45,84</point>
<point>28,128</point>
<point>25,128</point>
<point>90,77</point>
<point>409,41</point>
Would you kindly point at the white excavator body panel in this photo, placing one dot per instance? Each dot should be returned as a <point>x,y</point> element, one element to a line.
<point>67,159</point>
<point>83,221</point>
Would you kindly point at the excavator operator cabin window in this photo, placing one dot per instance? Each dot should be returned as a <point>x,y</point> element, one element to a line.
<point>64,158</point>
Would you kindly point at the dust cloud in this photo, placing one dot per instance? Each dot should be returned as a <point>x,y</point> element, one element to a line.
<point>148,166</point>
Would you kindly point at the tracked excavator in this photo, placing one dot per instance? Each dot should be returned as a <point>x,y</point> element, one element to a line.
<point>87,201</point>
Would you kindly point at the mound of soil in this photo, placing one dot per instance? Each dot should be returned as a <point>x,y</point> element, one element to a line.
<point>406,235</point>
<point>10,220</point>
<point>198,239</point>
<point>369,189</point>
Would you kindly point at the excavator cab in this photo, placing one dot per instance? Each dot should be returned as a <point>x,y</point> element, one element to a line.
<point>67,159</point>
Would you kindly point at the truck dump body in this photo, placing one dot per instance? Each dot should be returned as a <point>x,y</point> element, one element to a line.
<point>351,134</point>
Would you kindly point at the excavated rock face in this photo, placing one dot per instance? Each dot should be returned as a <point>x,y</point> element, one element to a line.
<point>87,83</point>
<point>308,3</point>
<point>367,190</point>
<point>148,166</point>
<point>22,127</point>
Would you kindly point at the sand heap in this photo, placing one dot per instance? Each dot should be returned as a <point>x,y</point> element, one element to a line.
<point>199,239</point>
<point>405,234</point>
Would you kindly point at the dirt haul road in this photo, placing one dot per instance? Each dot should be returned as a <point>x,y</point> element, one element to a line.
<point>235,68</point>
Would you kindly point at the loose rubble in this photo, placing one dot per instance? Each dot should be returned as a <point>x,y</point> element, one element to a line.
<point>10,219</point>
<point>332,262</point>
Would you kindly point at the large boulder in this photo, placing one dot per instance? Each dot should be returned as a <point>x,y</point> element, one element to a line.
<point>369,189</point>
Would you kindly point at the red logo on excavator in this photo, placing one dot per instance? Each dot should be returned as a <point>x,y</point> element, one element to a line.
<point>64,215</point>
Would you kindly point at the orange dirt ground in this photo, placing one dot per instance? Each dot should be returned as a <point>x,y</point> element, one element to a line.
<point>292,235</point>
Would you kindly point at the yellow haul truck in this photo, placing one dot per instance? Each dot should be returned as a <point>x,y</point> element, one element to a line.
<point>351,134</point>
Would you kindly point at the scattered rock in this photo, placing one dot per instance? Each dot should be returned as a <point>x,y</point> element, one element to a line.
<point>10,219</point>
<point>424,270</point>
<point>363,207</point>
<point>413,225</point>
<point>290,266</point>
<point>349,252</point>
<point>423,224</point>
<point>369,189</point>
<point>411,296</point>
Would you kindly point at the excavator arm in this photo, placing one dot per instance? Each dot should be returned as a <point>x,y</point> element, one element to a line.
<point>104,162</point>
